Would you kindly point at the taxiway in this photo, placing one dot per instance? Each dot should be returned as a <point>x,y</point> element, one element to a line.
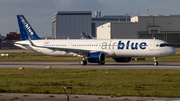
<point>108,65</point>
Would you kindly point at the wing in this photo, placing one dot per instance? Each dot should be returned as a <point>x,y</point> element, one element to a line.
<point>67,50</point>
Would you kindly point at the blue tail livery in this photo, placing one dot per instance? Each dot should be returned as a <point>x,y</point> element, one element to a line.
<point>26,29</point>
<point>89,36</point>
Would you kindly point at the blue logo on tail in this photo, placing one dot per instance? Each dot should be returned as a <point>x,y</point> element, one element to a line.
<point>26,29</point>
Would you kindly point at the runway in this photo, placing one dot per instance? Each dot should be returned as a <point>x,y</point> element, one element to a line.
<point>108,65</point>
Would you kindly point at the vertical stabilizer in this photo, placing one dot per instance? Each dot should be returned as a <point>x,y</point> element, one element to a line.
<point>26,29</point>
<point>86,36</point>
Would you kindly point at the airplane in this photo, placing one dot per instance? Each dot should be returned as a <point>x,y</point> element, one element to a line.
<point>94,50</point>
<point>86,36</point>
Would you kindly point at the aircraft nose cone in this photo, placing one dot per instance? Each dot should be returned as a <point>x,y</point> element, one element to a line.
<point>170,51</point>
<point>173,50</point>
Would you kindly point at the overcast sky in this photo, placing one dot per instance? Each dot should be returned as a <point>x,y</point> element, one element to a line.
<point>37,12</point>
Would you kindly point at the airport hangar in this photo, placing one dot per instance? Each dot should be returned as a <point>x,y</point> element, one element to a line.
<point>143,27</point>
<point>69,24</point>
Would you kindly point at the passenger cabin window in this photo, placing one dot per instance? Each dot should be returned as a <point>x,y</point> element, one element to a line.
<point>164,45</point>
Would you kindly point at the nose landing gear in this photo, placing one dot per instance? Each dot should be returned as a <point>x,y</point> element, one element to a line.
<point>155,61</point>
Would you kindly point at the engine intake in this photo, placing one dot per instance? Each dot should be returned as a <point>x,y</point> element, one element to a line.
<point>123,59</point>
<point>96,57</point>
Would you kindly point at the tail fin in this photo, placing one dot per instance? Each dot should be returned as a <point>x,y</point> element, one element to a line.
<point>86,36</point>
<point>89,36</point>
<point>26,29</point>
<point>83,36</point>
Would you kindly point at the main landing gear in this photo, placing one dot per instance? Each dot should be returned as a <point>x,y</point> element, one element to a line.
<point>83,62</point>
<point>101,63</point>
<point>155,61</point>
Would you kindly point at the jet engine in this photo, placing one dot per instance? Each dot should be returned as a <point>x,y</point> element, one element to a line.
<point>96,57</point>
<point>123,59</point>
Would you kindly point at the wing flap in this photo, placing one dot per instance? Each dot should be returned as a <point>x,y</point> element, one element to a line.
<point>67,49</point>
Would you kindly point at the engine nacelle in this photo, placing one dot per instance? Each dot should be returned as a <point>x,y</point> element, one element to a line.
<point>96,57</point>
<point>123,59</point>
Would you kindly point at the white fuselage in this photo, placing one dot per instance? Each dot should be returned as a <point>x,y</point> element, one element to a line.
<point>111,47</point>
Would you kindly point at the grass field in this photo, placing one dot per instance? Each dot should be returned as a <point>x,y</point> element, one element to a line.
<point>161,83</point>
<point>40,57</point>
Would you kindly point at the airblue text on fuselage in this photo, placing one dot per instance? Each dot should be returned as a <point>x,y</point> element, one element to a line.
<point>122,45</point>
<point>133,46</point>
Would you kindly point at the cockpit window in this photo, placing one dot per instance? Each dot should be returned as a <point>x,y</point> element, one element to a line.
<point>164,45</point>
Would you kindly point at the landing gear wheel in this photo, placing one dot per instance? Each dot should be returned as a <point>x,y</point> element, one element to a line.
<point>101,63</point>
<point>83,62</point>
<point>156,63</point>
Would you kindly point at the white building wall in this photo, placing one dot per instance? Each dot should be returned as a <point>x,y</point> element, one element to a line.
<point>134,19</point>
<point>104,31</point>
